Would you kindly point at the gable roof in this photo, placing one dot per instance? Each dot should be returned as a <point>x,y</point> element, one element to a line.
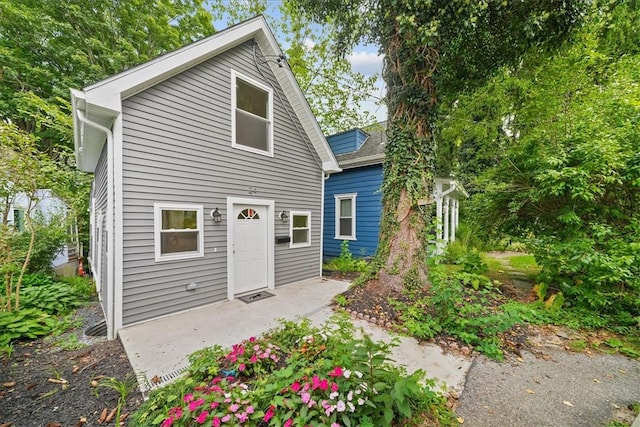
<point>371,152</point>
<point>101,102</point>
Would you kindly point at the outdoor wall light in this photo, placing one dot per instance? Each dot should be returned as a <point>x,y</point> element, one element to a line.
<point>284,216</point>
<point>216,215</point>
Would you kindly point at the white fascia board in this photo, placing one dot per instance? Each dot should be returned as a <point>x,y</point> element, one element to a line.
<point>110,92</point>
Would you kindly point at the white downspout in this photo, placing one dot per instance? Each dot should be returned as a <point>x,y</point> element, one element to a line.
<point>110,209</point>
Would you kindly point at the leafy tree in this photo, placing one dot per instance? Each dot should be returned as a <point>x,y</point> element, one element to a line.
<point>23,172</point>
<point>557,142</point>
<point>431,48</point>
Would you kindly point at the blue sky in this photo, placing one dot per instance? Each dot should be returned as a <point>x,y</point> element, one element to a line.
<point>364,59</point>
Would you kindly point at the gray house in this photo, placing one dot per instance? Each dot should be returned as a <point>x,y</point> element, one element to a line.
<point>209,172</point>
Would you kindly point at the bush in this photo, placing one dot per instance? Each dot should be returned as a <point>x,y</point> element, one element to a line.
<point>475,317</point>
<point>41,300</point>
<point>48,243</point>
<point>346,263</point>
<point>599,273</point>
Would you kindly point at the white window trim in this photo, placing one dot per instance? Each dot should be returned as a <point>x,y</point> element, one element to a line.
<point>157,225</point>
<point>299,213</point>
<point>235,75</point>
<point>338,198</point>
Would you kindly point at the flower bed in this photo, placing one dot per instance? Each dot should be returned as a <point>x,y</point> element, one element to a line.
<point>295,375</point>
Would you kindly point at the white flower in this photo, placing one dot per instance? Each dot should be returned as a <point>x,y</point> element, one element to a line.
<point>333,395</point>
<point>351,407</point>
<point>350,395</point>
<point>358,374</point>
<point>346,373</point>
<point>361,402</point>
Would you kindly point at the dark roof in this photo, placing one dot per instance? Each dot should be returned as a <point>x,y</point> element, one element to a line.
<point>371,152</point>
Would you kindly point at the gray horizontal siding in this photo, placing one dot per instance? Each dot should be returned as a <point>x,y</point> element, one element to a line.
<point>177,149</point>
<point>100,194</point>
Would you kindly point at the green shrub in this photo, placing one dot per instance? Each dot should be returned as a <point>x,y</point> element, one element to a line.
<point>55,298</point>
<point>475,317</point>
<point>25,323</point>
<point>346,263</point>
<point>598,273</point>
<point>49,241</point>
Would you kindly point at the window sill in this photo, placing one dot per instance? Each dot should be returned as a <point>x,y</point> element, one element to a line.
<point>345,238</point>
<point>178,257</point>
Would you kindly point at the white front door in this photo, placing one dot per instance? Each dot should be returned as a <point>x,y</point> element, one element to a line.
<point>250,253</point>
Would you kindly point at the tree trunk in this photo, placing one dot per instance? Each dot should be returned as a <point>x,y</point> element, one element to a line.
<point>409,162</point>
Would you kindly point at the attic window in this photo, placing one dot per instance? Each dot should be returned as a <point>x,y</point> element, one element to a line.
<point>251,115</point>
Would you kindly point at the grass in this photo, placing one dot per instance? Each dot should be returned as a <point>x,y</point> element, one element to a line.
<point>525,264</point>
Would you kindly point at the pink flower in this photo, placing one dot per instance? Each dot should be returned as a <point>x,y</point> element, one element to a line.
<point>335,425</point>
<point>215,422</point>
<point>241,367</point>
<point>337,372</point>
<point>202,417</point>
<point>226,418</point>
<point>334,387</point>
<point>252,339</point>
<point>250,410</point>
<point>188,398</point>
<point>242,417</point>
<point>305,397</point>
<point>269,414</point>
<point>167,422</point>
<point>234,408</point>
<point>253,359</point>
<point>340,406</point>
<point>195,404</point>
<point>214,405</point>
<point>295,387</point>
<point>288,423</point>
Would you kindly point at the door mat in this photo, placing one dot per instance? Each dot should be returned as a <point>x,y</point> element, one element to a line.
<point>257,296</point>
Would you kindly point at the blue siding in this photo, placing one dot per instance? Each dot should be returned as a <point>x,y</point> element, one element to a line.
<point>347,142</point>
<point>366,182</point>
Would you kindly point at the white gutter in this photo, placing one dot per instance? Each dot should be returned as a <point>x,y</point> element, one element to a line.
<point>110,203</point>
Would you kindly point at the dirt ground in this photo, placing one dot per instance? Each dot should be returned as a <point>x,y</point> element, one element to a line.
<point>48,382</point>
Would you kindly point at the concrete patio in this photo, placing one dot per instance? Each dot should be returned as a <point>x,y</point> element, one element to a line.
<point>159,348</point>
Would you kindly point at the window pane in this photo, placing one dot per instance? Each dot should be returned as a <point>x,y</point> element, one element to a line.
<point>345,207</point>
<point>300,221</point>
<point>251,131</point>
<point>178,241</point>
<point>345,227</point>
<point>300,236</point>
<point>179,220</point>
<point>250,98</point>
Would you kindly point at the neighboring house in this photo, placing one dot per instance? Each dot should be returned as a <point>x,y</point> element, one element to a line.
<point>47,206</point>
<point>353,199</point>
<point>209,169</point>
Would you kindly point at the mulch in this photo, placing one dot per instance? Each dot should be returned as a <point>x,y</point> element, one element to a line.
<point>42,384</point>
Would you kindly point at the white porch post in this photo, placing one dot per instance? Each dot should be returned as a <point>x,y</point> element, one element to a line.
<point>445,219</point>
<point>438,212</point>
<point>454,212</point>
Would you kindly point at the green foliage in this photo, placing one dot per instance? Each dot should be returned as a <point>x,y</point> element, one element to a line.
<point>346,263</point>
<point>322,375</point>
<point>43,300</point>
<point>555,142</point>
<point>55,298</point>
<point>28,323</point>
<point>476,318</point>
<point>49,240</point>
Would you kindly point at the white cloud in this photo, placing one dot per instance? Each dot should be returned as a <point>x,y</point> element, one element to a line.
<point>367,63</point>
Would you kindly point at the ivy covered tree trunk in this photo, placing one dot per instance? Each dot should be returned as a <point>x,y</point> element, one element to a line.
<point>409,161</point>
